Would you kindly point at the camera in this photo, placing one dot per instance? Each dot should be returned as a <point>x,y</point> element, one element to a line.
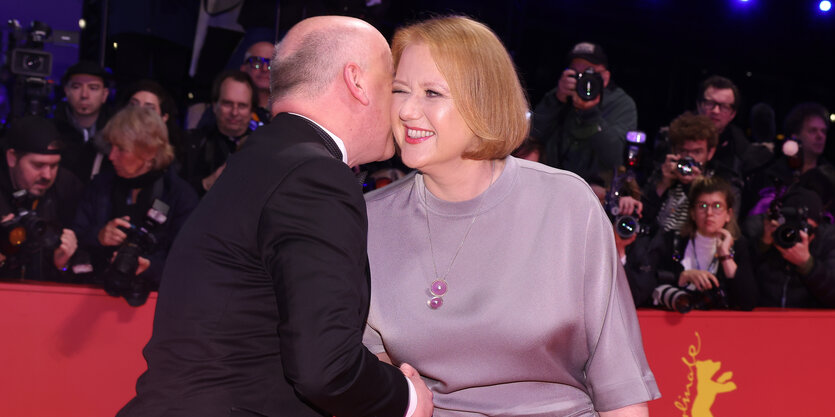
<point>30,65</point>
<point>26,234</point>
<point>791,221</point>
<point>634,140</point>
<point>687,165</point>
<point>589,84</point>
<point>120,278</point>
<point>32,61</point>
<point>626,224</point>
<point>683,300</point>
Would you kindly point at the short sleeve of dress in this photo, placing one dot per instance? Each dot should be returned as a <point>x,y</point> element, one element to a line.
<point>617,373</point>
<point>372,340</point>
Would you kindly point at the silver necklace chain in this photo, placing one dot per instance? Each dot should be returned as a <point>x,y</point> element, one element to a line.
<point>436,294</point>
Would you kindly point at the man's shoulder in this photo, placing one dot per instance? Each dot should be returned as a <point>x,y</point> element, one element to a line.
<point>733,133</point>
<point>67,184</point>
<point>617,97</point>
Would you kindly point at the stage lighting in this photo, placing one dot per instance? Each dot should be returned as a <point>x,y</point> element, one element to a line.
<point>825,5</point>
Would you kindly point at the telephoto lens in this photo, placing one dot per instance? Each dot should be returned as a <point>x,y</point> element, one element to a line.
<point>672,298</point>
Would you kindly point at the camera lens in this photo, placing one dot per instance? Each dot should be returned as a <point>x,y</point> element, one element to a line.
<point>686,166</point>
<point>626,226</point>
<point>32,62</point>
<point>786,236</point>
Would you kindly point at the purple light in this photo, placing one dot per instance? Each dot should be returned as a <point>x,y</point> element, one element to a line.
<point>825,6</point>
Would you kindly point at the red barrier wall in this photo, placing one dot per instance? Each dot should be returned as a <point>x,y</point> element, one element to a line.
<point>75,351</point>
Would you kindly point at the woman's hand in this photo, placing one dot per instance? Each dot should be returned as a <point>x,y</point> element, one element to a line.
<point>629,206</point>
<point>110,235</point>
<point>703,280</point>
<point>726,241</point>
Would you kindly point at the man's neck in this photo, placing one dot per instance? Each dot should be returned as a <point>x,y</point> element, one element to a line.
<point>85,122</point>
<point>810,161</point>
<point>264,98</point>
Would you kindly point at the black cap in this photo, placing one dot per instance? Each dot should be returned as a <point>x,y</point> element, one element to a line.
<point>800,197</point>
<point>591,52</point>
<point>33,134</point>
<point>85,67</point>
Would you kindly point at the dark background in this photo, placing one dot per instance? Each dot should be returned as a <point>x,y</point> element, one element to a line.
<point>777,52</point>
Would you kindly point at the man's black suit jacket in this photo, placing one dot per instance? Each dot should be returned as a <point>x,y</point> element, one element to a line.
<point>265,294</point>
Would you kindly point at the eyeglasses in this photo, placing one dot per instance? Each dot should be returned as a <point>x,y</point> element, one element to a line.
<point>258,62</point>
<point>707,207</point>
<point>710,104</point>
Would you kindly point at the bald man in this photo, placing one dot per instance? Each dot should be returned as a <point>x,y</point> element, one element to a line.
<point>264,298</point>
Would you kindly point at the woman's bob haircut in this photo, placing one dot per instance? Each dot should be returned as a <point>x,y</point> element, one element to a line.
<point>481,77</point>
<point>140,130</point>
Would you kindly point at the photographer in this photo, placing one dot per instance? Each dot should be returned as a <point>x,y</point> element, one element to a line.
<point>116,204</point>
<point>36,192</point>
<point>627,203</point>
<point>584,133</point>
<point>693,139</point>
<point>208,148</point>
<point>799,158</point>
<point>796,263</point>
<point>706,261</point>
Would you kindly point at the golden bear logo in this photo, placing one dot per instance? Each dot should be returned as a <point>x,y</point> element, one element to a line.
<point>707,388</point>
<point>702,371</point>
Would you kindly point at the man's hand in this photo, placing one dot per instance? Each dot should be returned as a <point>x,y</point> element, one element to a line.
<point>669,174</point>
<point>703,280</point>
<point>769,226</point>
<point>110,235</point>
<point>798,254</point>
<point>64,252</point>
<point>424,396</point>
<point>209,181</point>
<point>567,87</point>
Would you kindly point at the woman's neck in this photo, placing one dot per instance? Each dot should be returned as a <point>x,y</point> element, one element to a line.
<point>708,235</point>
<point>463,180</point>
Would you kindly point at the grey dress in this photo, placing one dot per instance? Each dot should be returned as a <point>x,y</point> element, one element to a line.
<point>537,319</point>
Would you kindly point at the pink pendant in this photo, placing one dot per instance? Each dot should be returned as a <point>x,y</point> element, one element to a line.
<point>435,303</point>
<point>438,288</point>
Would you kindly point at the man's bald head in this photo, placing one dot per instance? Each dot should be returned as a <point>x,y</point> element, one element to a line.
<point>314,52</point>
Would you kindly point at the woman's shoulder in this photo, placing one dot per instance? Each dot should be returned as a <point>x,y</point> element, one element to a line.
<point>553,184</point>
<point>537,171</point>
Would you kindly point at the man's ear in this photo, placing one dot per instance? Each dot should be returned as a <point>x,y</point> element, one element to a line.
<point>11,158</point>
<point>606,76</point>
<point>352,75</point>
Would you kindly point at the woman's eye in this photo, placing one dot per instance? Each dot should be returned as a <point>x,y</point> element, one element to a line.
<point>432,93</point>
